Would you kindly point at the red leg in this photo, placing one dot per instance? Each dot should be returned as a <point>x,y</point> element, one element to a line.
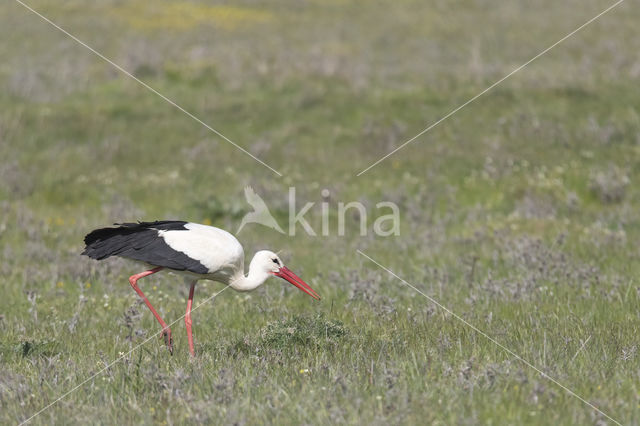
<point>187,317</point>
<point>166,331</point>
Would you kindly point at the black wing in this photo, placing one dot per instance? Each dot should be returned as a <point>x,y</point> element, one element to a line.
<point>141,241</point>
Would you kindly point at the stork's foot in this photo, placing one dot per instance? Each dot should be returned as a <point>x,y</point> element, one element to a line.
<point>166,333</point>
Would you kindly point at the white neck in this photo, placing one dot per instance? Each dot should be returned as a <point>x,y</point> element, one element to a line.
<point>248,282</point>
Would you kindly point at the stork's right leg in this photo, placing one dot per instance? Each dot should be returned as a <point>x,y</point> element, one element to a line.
<point>187,317</point>
<point>166,331</point>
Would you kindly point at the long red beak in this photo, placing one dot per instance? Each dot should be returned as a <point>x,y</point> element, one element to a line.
<point>286,274</point>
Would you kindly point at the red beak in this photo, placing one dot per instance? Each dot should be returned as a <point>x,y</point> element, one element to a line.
<point>286,274</point>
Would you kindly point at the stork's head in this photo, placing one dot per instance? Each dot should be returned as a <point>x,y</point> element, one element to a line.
<point>266,261</point>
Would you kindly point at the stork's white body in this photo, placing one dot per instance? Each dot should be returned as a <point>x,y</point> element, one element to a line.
<point>219,251</point>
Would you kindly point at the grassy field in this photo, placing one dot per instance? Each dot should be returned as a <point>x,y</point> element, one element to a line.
<point>519,213</point>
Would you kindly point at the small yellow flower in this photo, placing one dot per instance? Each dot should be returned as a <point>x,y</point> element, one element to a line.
<point>87,285</point>
<point>304,371</point>
<point>206,221</point>
<point>155,288</point>
<point>60,284</point>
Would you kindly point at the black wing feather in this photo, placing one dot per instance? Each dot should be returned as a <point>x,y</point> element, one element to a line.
<point>141,241</point>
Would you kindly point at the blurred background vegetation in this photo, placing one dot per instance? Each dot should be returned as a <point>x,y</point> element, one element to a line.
<point>519,212</point>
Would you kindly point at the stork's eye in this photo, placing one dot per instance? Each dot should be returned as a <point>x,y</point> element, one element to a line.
<point>275,261</point>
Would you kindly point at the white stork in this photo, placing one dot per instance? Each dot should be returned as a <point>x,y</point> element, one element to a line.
<point>197,251</point>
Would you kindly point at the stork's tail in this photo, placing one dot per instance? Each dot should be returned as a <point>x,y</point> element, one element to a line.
<point>105,242</point>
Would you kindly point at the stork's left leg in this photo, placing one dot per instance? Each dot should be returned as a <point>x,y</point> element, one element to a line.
<point>187,317</point>
<point>166,331</point>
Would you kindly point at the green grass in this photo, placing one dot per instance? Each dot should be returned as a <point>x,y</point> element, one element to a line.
<point>518,213</point>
